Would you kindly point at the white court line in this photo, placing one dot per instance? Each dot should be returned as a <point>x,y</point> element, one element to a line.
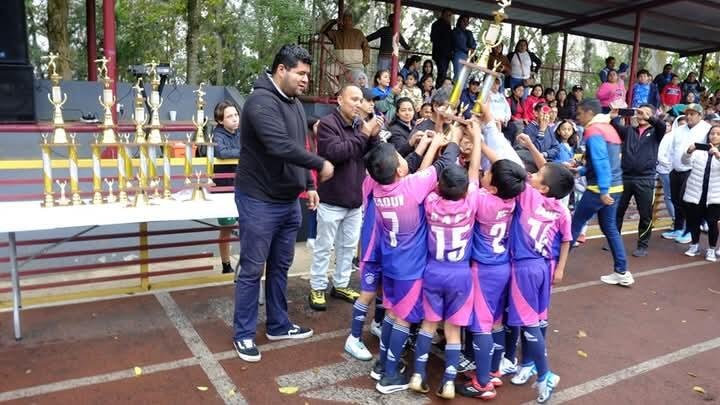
<point>633,371</point>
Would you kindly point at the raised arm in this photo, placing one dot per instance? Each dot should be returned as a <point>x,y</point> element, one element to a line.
<point>525,141</point>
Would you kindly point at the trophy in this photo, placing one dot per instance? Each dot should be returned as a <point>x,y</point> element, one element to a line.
<point>124,166</point>
<point>459,85</point>
<point>139,116</point>
<point>491,39</point>
<point>97,184</point>
<point>200,190</point>
<point>167,191</point>
<point>47,173</point>
<point>200,114</point>
<point>108,101</point>
<point>188,159</point>
<point>74,179</point>
<point>111,198</point>
<point>155,103</point>
<point>63,199</point>
<point>57,99</point>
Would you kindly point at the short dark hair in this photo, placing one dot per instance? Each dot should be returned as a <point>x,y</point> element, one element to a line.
<point>608,59</point>
<point>539,106</point>
<point>289,56</point>
<point>650,106</point>
<point>559,180</point>
<point>403,100</point>
<point>382,163</point>
<point>219,112</point>
<point>453,182</point>
<point>508,178</point>
<point>426,105</point>
<point>377,76</point>
<point>642,72</point>
<point>518,85</point>
<point>590,104</point>
<point>547,91</point>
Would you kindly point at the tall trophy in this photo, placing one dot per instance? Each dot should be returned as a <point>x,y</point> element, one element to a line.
<point>199,119</point>
<point>96,175</point>
<point>57,99</point>
<point>108,101</point>
<point>491,39</point>
<point>155,103</point>
<point>74,178</point>
<point>139,116</point>
<point>49,200</point>
<point>459,85</point>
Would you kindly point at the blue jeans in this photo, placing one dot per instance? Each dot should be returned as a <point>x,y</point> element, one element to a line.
<point>589,205</point>
<point>667,197</point>
<point>267,235</point>
<point>384,62</point>
<point>457,66</point>
<point>312,225</point>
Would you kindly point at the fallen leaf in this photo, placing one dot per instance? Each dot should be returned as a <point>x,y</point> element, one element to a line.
<point>713,291</point>
<point>582,354</point>
<point>644,303</point>
<point>556,331</point>
<point>202,388</point>
<point>653,292</point>
<point>657,308</point>
<point>288,390</point>
<point>232,391</point>
<point>137,370</point>
<point>243,368</point>
<point>581,334</point>
<point>28,371</point>
<point>692,374</point>
<point>683,321</point>
<point>700,390</point>
<point>702,309</point>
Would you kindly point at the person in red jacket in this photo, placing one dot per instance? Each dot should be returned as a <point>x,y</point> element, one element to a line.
<point>672,93</point>
<point>536,96</point>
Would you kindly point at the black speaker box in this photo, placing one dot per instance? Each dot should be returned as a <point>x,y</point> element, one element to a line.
<point>17,103</point>
<point>13,33</point>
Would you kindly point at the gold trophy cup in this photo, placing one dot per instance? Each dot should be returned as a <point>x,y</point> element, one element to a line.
<point>57,98</point>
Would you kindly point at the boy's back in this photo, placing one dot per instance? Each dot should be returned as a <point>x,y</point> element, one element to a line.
<point>450,224</point>
<point>538,222</point>
<point>492,224</point>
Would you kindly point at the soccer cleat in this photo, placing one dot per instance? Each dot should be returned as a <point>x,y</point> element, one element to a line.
<point>507,366</point>
<point>247,350</point>
<point>624,279</point>
<point>684,239</point>
<point>227,268</point>
<point>465,364</point>
<point>389,384</point>
<point>356,348</point>
<point>376,328</point>
<point>317,300</point>
<point>640,252</point>
<point>295,332</point>
<point>447,390</point>
<point>417,384</point>
<point>672,235</point>
<point>495,379</point>
<point>546,387</point>
<point>710,255</point>
<point>345,294</point>
<point>524,374</point>
<point>379,369</point>
<point>473,389</point>
<point>693,250</point>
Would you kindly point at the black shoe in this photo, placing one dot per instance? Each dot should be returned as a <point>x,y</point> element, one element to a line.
<point>606,248</point>
<point>295,332</point>
<point>640,252</point>
<point>247,350</point>
<point>227,268</point>
<point>388,384</point>
<point>378,369</point>
<point>356,263</point>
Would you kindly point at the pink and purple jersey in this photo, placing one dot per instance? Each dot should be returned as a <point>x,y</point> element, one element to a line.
<point>539,223</point>
<point>450,225</point>
<point>369,251</point>
<point>403,234</point>
<point>490,233</point>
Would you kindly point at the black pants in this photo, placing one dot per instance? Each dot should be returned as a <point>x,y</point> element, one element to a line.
<point>695,215</point>
<point>442,65</point>
<point>677,190</point>
<point>643,189</point>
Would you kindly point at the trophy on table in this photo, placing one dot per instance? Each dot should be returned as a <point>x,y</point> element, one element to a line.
<point>200,120</point>
<point>139,116</point>
<point>155,103</point>
<point>57,99</point>
<point>49,200</point>
<point>96,175</point>
<point>74,178</point>
<point>107,100</point>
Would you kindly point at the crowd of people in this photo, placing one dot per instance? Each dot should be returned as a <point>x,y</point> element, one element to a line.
<point>464,221</point>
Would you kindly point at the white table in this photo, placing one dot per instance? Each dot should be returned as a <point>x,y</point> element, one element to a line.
<point>30,216</point>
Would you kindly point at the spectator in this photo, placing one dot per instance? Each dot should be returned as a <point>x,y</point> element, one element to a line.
<point>426,111</point>
<point>427,85</point>
<point>517,107</point>
<point>610,91</point>
<point>385,94</point>
<point>469,95</point>
<point>427,68</point>
<point>226,136</point>
<point>664,78</point>
<point>463,44</point>
<point>385,34</point>
<point>645,92</point>
<point>691,85</point>
<point>530,102</point>
<point>311,146</point>
<point>499,106</point>
<point>702,194</point>
<point>411,68</point>
<point>563,105</point>
<point>523,65</point>
<point>567,137</point>
<point>402,125</point>
<point>272,171</point>
<point>604,185</point>
<point>575,98</point>
<point>343,139</point>
<point>351,47</point>
<point>609,65</point>
<point>442,39</point>
<point>640,144</point>
<point>664,163</point>
<point>672,93</point>
<point>359,78</point>
<point>413,92</point>
<point>367,105</point>
<point>541,133</point>
<point>381,84</point>
<point>496,56</point>
<point>549,96</point>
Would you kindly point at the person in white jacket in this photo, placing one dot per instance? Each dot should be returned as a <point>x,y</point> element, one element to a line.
<point>664,164</point>
<point>702,192</point>
<point>694,132</point>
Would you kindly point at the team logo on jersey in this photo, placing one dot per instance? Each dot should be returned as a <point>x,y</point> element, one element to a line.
<point>369,279</point>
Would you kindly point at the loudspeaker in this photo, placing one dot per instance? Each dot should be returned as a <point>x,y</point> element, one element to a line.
<point>17,103</point>
<point>13,32</point>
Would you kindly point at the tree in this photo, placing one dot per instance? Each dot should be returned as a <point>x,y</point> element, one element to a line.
<point>191,41</point>
<point>58,37</point>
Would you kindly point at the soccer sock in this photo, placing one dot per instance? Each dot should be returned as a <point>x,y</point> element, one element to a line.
<point>482,344</point>
<point>359,312</point>
<point>535,350</point>
<point>398,337</point>
<point>387,327</point>
<point>452,357</point>
<point>511,340</point>
<point>498,338</point>
<point>422,349</point>
<point>544,327</point>
<point>468,350</point>
<point>379,310</point>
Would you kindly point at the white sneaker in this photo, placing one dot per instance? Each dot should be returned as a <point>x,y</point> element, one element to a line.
<point>376,328</point>
<point>710,255</point>
<point>507,366</point>
<point>524,374</point>
<point>545,387</point>
<point>310,244</point>
<point>615,278</point>
<point>356,348</point>
<point>693,250</point>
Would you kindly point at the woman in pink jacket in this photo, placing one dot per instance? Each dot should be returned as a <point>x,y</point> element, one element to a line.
<point>611,90</point>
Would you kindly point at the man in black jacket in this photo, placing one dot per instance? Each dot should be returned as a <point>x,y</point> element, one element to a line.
<point>442,41</point>
<point>273,169</point>
<point>640,143</point>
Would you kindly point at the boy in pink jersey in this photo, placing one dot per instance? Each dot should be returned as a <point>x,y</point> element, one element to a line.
<point>402,240</point>
<point>541,221</point>
<point>447,282</point>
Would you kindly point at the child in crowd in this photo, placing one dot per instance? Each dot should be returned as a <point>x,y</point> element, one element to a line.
<point>426,111</point>
<point>411,91</point>
<point>311,146</point>
<point>381,83</point>
<point>566,134</point>
<point>645,91</point>
<point>671,93</point>
<point>385,95</point>
<point>535,97</point>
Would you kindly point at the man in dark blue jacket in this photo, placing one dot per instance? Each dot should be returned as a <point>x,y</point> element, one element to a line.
<point>442,49</point>
<point>603,172</point>
<point>463,44</point>
<point>274,168</point>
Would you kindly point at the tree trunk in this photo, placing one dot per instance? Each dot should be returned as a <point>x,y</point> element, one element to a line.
<point>58,37</point>
<point>587,60</point>
<point>191,41</point>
